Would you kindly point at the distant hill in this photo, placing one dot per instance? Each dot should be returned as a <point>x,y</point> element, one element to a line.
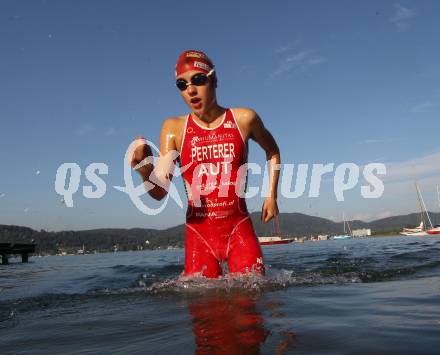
<point>296,224</point>
<point>299,224</point>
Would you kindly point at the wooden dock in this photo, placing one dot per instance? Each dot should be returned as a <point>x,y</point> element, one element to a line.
<point>7,249</point>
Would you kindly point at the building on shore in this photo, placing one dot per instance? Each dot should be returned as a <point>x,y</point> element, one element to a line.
<point>364,232</point>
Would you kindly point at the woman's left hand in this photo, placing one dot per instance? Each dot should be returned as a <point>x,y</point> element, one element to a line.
<point>269,210</point>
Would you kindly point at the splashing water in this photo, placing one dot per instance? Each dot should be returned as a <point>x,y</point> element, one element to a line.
<point>273,280</point>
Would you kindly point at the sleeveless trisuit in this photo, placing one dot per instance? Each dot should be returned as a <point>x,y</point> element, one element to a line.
<point>218,226</point>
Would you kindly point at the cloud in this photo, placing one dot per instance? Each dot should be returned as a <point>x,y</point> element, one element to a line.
<point>331,218</point>
<point>400,194</point>
<point>297,58</point>
<point>380,159</point>
<point>412,169</point>
<point>85,128</point>
<point>109,131</point>
<point>292,58</point>
<point>383,214</point>
<point>315,61</point>
<point>367,141</point>
<point>401,17</point>
<point>371,141</point>
<point>422,107</point>
<point>361,217</point>
<point>366,217</point>
<point>288,46</point>
<point>394,192</point>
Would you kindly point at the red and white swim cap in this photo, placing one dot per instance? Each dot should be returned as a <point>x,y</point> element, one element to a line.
<point>193,60</point>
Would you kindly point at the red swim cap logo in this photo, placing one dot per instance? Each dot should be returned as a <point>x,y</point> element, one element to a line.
<point>196,55</point>
<point>202,66</point>
<point>193,60</point>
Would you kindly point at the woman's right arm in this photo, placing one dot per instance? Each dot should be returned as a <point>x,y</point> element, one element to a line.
<point>157,178</point>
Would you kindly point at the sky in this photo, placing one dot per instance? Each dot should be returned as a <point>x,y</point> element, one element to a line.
<point>333,81</point>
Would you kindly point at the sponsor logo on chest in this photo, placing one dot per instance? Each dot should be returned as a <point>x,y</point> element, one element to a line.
<point>229,124</point>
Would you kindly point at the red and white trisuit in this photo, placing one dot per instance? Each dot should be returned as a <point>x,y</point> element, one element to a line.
<point>218,225</point>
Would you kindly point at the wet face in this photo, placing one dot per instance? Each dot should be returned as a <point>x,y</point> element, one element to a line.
<point>200,99</point>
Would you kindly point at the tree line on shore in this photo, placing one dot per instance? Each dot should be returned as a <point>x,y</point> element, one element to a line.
<point>111,239</point>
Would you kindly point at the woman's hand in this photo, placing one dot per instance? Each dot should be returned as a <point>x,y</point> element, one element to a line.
<point>139,151</point>
<point>269,210</point>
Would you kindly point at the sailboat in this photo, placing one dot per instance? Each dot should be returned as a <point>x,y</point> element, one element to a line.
<point>81,251</point>
<point>276,239</point>
<point>345,235</point>
<point>436,228</point>
<point>417,231</point>
<point>421,229</point>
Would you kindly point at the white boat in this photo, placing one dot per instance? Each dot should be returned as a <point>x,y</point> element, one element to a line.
<point>342,237</point>
<point>345,235</point>
<point>419,231</point>
<point>415,234</point>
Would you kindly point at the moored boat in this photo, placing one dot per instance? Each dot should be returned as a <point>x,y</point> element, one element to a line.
<point>345,235</point>
<point>421,230</point>
<point>434,230</point>
<point>418,231</point>
<point>274,240</point>
<point>342,237</point>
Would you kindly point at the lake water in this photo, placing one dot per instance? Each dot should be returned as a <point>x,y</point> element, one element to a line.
<point>362,296</point>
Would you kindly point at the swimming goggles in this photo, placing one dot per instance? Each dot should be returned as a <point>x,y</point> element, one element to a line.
<point>198,79</point>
